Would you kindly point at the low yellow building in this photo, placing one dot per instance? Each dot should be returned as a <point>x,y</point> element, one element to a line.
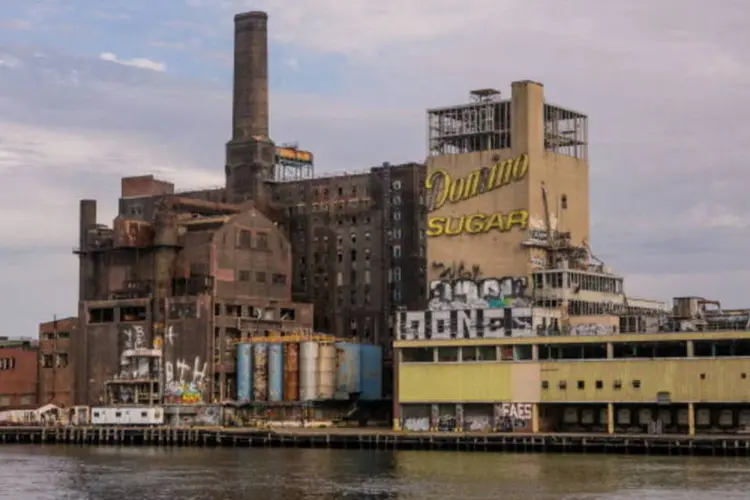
<point>659,382</point>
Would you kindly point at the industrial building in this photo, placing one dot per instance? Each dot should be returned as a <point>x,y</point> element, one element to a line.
<point>525,329</point>
<point>18,373</point>
<point>56,369</point>
<point>168,291</point>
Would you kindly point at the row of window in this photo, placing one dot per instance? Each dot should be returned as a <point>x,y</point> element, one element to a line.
<point>54,335</point>
<point>23,401</point>
<point>261,277</point>
<point>59,360</point>
<point>616,384</point>
<point>590,351</point>
<point>7,363</point>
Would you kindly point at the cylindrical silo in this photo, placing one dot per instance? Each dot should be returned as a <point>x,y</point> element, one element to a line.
<point>260,372</point>
<point>244,351</point>
<point>347,369</point>
<point>308,371</point>
<point>326,371</point>
<point>291,371</point>
<point>275,372</point>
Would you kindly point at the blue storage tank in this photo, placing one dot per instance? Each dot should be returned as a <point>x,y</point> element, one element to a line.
<point>347,370</point>
<point>243,372</point>
<point>371,372</point>
<point>275,372</point>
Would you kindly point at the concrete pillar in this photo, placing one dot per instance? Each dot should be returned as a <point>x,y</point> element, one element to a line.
<point>690,349</point>
<point>610,418</point>
<point>535,352</point>
<point>610,350</point>
<point>527,117</point>
<point>535,418</point>
<point>691,419</point>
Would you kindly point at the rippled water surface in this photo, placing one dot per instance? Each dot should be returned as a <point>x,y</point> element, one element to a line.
<point>108,473</point>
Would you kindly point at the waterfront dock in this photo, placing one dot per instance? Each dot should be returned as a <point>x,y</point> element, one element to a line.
<point>383,439</point>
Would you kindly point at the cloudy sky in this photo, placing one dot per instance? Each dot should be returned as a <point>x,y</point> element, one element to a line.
<point>91,91</point>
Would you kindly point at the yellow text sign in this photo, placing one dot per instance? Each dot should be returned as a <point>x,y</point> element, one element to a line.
<point>442,188</point>
<point>478,223</point>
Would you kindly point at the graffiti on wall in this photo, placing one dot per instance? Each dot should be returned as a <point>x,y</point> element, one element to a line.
<point>466,324</point>
<point>511,417</point>
<point>442,188</point>
<point>456,271</point>
<point>591,329</point>
<point>477,293</point>
<point>184,382</point>
<point>132,338</point>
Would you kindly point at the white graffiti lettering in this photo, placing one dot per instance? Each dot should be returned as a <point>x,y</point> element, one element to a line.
<point>170,336</point>
<point>520,411</point>
<point>467,324</point>
<point>591,329</point>
<point>134,337</point>
<point>486,293</point>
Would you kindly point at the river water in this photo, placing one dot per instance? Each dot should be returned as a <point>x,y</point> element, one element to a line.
<point>109,473</point>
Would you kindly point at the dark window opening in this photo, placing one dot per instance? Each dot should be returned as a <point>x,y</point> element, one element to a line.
<point>562,385</point>
<point>545,384</point>
<point>617,385</point>
<point>279,279</point>
<point>447,354</point>
<point>417,355</point>
<point>636,384</point>
<point>245,239</point>
<point>244,275</point>
<point>62,360</point>
<point>47,361</point>
<point>262,241</point>
<point>133,313</point>
<point>581,384</point>
<point>102,315</point>
<point>260,277</point>
<point>288,314</point>
<point>599,384</point>
<point>564,202</point>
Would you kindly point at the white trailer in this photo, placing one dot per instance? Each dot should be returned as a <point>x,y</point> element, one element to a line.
<point>120,415</point>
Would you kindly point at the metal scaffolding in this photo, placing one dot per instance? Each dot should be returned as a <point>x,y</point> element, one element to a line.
<point>292,164</point>
<point>482,125</point>
<point>565,132</point>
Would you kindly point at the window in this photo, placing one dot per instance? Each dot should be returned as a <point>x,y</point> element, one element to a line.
<point>486,353</point>
<point>367,277</point>
<point>636,384</point>
<point>353,237</point>
<point>4,400</point>
<point>245,239</point>
<point>396,199</point>
<point>599,384</point>
<point>397,294</point>
<point>562,385</point>
<point>564,202</point>
<point>417,355</point>
<point>447,354</point>
<point>279,279</point>
<point>133,313</point>
<point>102,315</point>
<point>617,385</point>
<point>397,234</point>
<point>396,215</point>
<point>260,277</point>
<point>244,275</point>
<point>262,241</point>
<point>136,210</point>
<point>468,354</point>
<point>118,414</point>
<point>397,251</point>
<point>396,274</point>
<point>581,384</point>
<point>144,414</point>
<point>545,384</point>
<point>47,361</point>
<point>62,360</point>
<point>396,185</point>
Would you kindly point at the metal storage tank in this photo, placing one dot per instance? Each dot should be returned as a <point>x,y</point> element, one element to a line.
<point>275,372</point>
<point>260,372</point>
<point>243,372</point>
<point>308,371</point>
<point>326,372</point>
<point>371,372</point>
<point>291,371</point>
<point>347,369</point>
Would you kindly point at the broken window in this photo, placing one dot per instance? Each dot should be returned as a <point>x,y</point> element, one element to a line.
<point>47,361</point>
<point>62,360</point>
<point>133,313</point>
<point>288,314</point>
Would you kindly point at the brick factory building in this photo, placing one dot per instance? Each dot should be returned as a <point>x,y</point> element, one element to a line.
<point>18,374</point>
<point>181,275</point>
<point>56,369</point>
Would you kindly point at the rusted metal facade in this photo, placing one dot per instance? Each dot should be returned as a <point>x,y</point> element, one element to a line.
<point>56,365</point>
<point>18,374</point>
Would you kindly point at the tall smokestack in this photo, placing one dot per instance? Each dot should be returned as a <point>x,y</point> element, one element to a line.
<point>250,109</point>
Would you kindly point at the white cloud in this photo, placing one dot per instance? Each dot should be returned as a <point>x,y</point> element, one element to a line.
<point>662,81</point>
<point>137,62</point>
